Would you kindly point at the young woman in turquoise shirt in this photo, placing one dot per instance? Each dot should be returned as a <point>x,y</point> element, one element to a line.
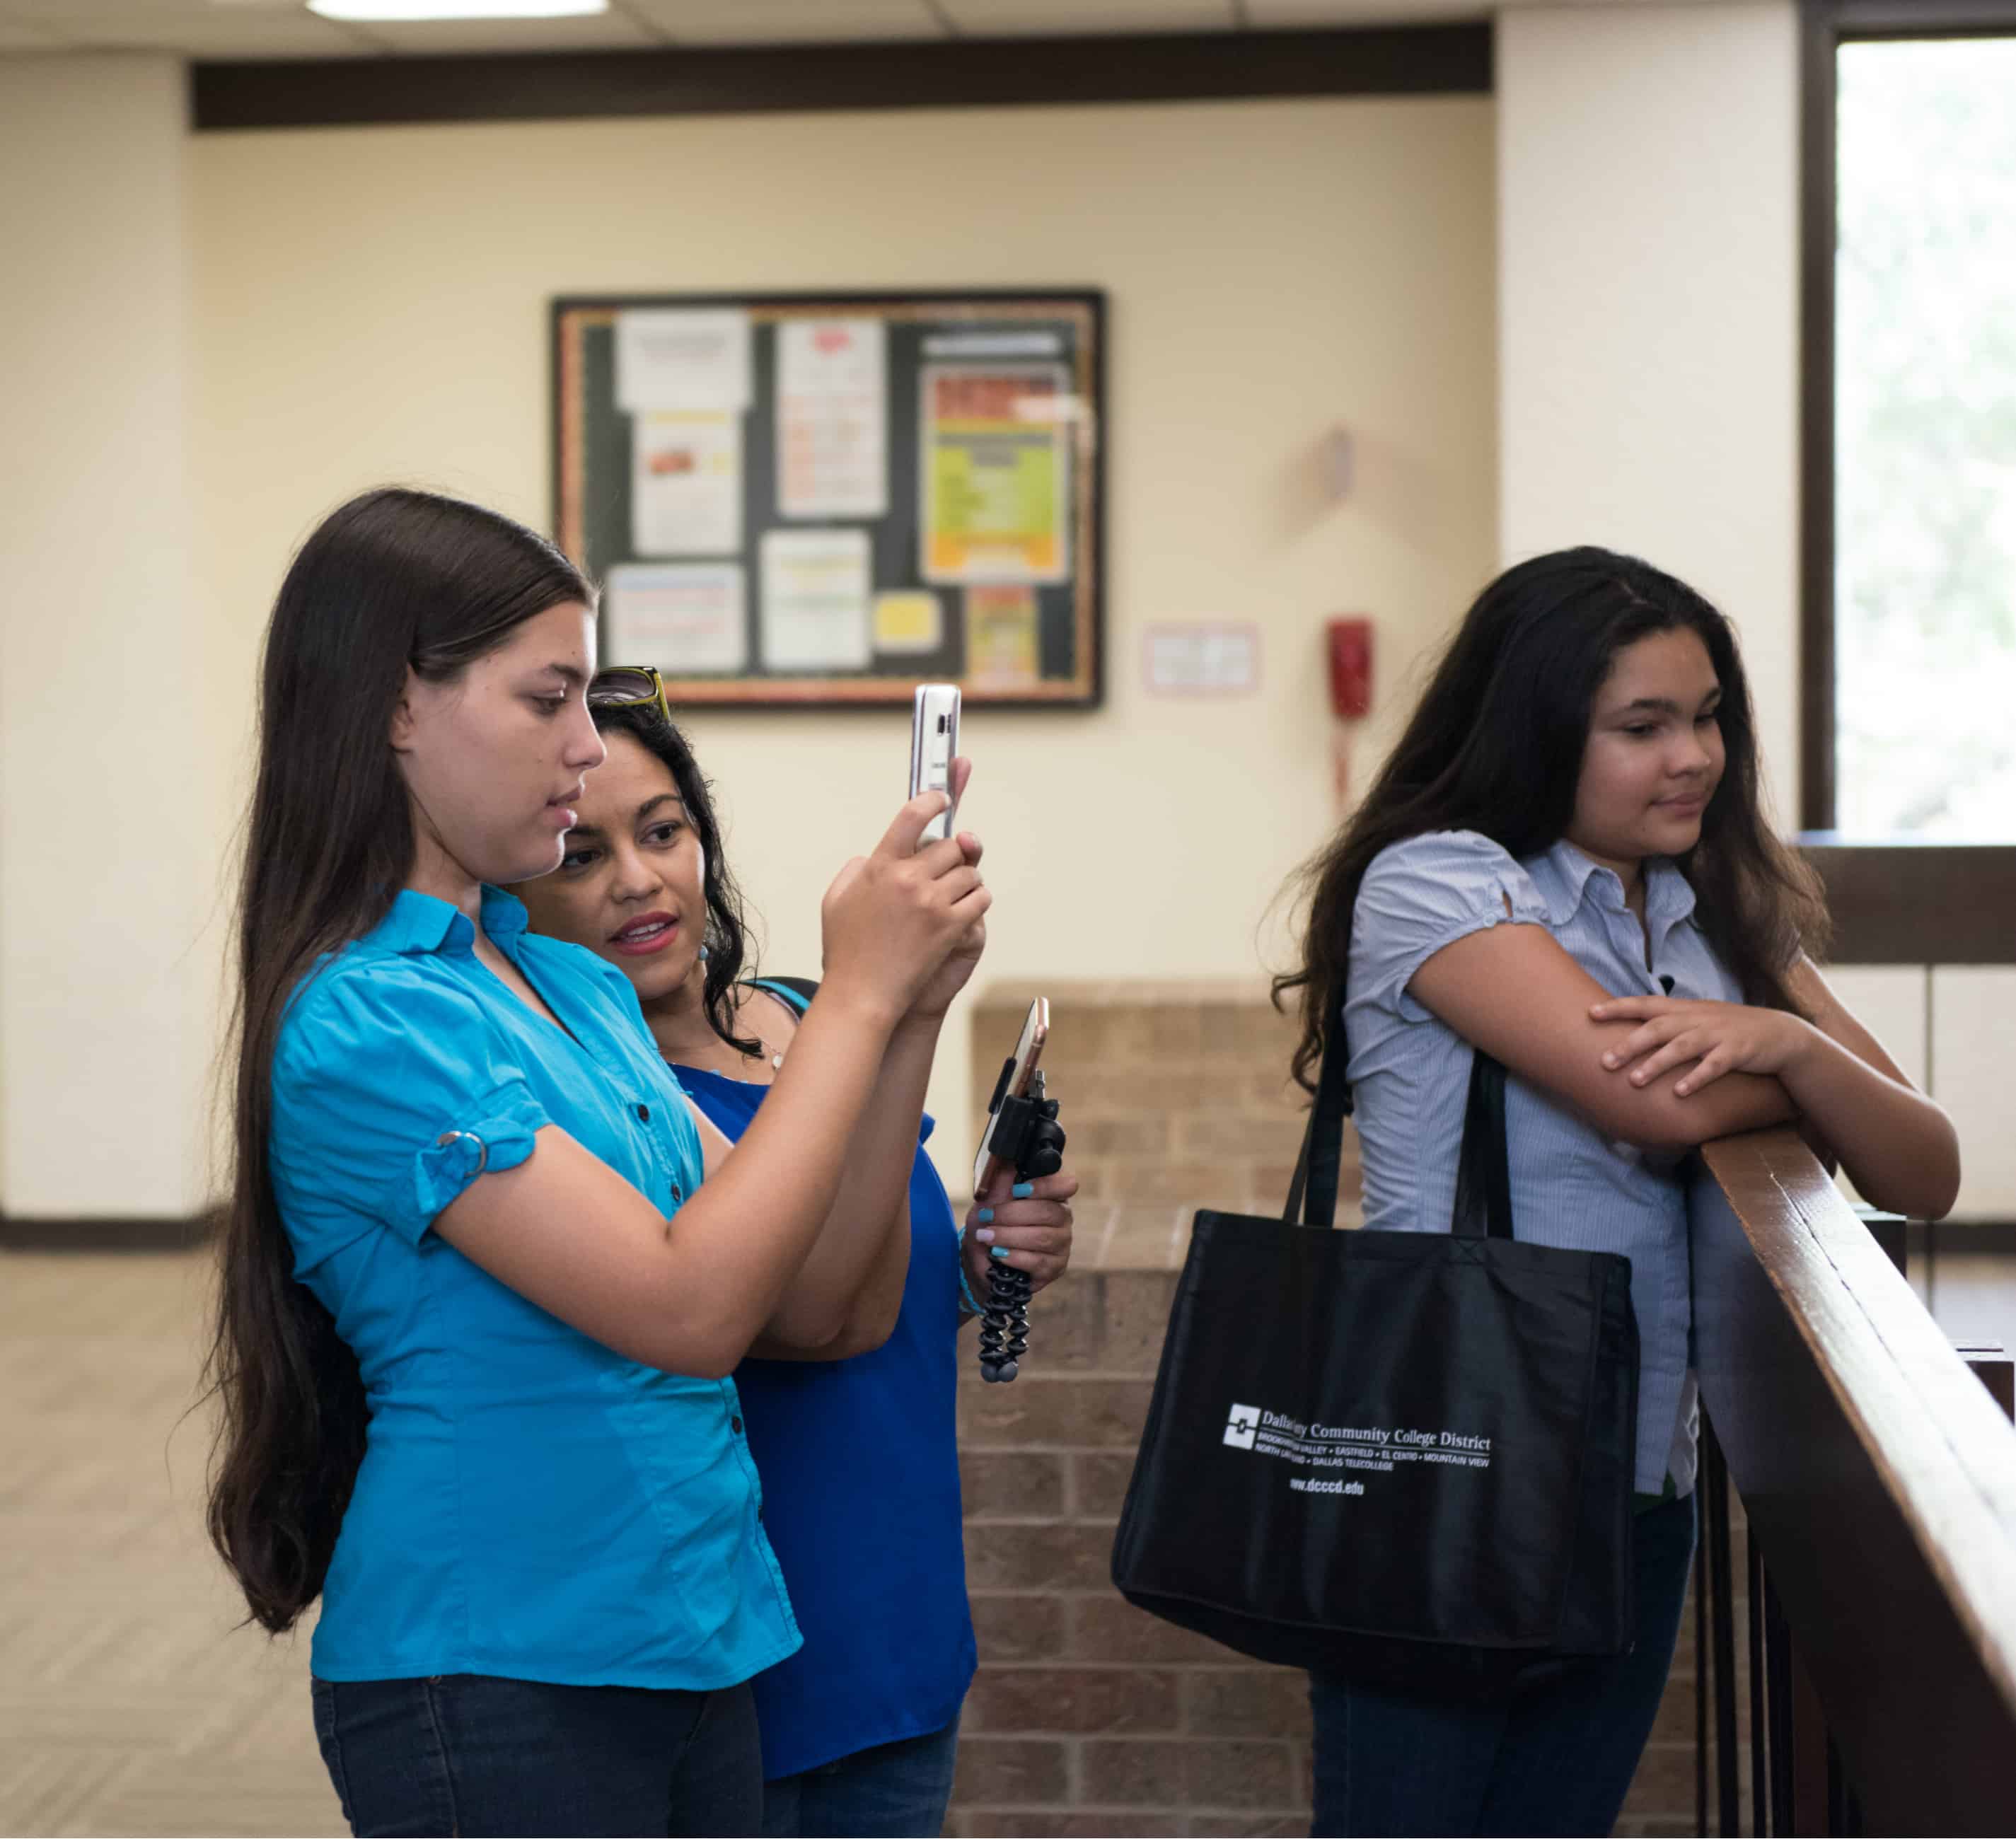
<point>476,1323</point>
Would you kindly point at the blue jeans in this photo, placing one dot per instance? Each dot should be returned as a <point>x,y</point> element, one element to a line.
<point>1555,1756</point>
<point>466,1753</point>
<point>897,1790</point>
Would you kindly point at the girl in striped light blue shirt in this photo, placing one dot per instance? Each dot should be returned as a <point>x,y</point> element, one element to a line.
<point>1565,864</point>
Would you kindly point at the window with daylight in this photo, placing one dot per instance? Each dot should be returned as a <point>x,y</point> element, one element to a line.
<point>1924,447</point>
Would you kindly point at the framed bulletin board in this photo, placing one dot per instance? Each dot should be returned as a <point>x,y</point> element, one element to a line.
<point>828,498</point>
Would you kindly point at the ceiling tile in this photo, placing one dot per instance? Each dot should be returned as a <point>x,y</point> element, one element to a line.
<point>1283,15</point>
<point>284,29</point>
<point>600,31</point>
<point>43,14</point>
<point>188,26</point>
<point>999,19</point>
<point>773,22</point>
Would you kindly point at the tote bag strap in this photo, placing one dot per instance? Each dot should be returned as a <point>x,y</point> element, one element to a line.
<point>1323,1142</point>
<point>1484,1170</point>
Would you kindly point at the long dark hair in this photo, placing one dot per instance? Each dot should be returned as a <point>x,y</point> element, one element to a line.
<point>393,579</point>
<point>729,951</point>
<point>1495,746</point>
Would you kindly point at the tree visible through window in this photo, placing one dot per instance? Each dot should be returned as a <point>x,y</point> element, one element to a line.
<point>1925,440</point>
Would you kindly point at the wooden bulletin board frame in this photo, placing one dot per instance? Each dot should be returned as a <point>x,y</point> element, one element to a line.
<point>1035,640</point>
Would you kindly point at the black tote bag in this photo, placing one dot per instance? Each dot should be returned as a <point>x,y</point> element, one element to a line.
<point>1404,1458</point>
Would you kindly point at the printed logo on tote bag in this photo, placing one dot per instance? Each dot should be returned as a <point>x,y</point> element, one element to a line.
<point>1327,1446</point>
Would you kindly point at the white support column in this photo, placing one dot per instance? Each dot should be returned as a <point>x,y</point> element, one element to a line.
<point>103,990</point>
<point>1648,243</point>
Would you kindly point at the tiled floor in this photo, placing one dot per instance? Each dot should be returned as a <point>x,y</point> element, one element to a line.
<point>129,1702</point>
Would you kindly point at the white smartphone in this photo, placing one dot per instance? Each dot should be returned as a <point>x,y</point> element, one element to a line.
<point>1018,1073</point>
<point>934,744</point>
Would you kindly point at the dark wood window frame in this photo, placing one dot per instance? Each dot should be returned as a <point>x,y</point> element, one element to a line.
<point>1893,903</point>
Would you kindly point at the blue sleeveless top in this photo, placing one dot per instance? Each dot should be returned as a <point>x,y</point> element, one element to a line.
<point>860,1466</point>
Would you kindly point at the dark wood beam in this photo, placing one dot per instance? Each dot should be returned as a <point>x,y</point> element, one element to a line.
<point>967,73</point>
<point>1921,18</point>
<point>1918,903</point>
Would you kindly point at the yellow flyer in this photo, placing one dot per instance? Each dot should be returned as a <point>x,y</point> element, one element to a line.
<point>995,476</point>
<point>1001,637</point>
<point>908,621</point>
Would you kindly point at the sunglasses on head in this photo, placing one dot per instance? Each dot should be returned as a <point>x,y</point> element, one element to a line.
<point>629,686</point>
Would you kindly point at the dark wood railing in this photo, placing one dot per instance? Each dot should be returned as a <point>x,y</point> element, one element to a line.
<point>1877,1477</point>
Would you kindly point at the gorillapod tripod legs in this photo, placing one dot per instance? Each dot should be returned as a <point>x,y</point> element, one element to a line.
<point>1004,1324</point>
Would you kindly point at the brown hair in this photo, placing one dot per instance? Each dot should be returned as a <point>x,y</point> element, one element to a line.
<point>393,579</point>
<point>1495,746</point>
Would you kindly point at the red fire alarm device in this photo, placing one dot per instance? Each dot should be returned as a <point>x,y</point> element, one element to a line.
<point>1351,667</point>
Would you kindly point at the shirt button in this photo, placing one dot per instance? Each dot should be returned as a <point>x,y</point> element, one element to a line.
<point>678,1193</point>
<point>644,1114</point>
<point>735,1424</point>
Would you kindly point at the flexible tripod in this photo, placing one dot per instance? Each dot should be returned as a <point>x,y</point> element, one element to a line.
<point>1027,1133</point>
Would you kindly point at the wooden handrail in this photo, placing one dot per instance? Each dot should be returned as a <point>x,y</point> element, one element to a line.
<point>1880,1481</point>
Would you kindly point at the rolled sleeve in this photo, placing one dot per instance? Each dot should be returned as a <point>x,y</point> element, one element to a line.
<point>1423,894</point>
<point>498,1139</point>
<point>391,1094</point>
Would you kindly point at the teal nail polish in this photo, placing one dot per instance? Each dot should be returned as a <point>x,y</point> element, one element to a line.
<point>1021,1190</point>
<point>997,1251</point>
<point>985,1216</point>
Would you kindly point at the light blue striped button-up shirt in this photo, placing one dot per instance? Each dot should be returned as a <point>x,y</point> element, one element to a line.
<point>1571,1186</point>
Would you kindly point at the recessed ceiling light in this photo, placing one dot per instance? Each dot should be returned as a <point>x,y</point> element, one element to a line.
<point>433,9</point>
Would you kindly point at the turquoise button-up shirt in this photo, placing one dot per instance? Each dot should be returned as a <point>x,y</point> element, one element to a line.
<point>531,1504</point>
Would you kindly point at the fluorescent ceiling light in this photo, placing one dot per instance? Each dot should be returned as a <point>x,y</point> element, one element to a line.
<point>432,9</point>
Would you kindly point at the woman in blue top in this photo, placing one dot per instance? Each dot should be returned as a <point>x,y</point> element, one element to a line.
<point>856,1448</point>
<point>1566,865</point>
<point>476,1323</point>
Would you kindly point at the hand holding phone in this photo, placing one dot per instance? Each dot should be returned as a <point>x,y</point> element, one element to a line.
<point>1018,1074</point>
<point>893,918</point>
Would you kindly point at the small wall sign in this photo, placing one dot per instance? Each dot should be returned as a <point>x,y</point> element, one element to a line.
<point>1207,658</point>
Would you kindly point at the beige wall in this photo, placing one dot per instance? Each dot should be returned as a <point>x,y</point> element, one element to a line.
<point>1648,292</point>
<point>1603,260</point>
<point>371,306</point>
<point>103,983</point>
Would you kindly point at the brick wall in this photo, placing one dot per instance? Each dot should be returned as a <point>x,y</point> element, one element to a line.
<point>1176,1095</point>
<point>1088,1716</point>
